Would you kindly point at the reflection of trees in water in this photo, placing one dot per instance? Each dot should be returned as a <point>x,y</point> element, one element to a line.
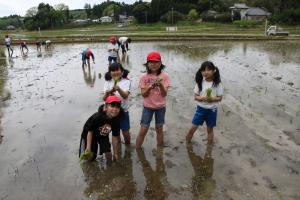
<point>113,182</point>
<point>198,50</point>
<point>203,184</point>
<point>88,78</point>
<point>3,77</point>
<point>155,179</point>
<point>281,51</point>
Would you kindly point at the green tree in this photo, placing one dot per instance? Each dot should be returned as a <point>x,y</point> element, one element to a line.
<point>140,12</point>
<point>174,17</point>
<point>88,10</point>
<point>112,10</point>
<point>193,14</point>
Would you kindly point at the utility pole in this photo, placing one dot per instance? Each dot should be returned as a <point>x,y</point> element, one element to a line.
<point>172,16</point>
<point>146,13</point>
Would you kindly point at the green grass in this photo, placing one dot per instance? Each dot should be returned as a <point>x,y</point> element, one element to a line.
<point>158,30</point>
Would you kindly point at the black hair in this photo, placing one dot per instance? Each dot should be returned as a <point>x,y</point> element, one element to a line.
<point>113,67</point>
<point>129,40</point>
<point>211,66</point>
<point>162,66</point>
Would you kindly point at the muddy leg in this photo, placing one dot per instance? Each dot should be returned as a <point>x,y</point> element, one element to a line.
<point>126,136</point>
<point>210,135</point>
<point>160,135</point>
<point>191,132</point>
<point>140,138</point>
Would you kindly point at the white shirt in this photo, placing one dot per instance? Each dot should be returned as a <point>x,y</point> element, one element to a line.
<point>216,91</point>
<point>7,41</point>
<point>125,85</point>
<point>123,40</point>
<point>113,53</point>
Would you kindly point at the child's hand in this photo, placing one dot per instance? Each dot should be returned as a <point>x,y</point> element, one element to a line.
<point>201,98</point>
<point>116,88</point>
<point>209,99</point>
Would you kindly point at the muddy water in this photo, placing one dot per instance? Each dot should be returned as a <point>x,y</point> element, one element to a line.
<point>256,154</point>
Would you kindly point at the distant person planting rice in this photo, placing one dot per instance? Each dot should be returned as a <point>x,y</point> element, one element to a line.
<point>7,44</point>
<point>86,54</point>
<point>123,42</point>
<point>23,46</point>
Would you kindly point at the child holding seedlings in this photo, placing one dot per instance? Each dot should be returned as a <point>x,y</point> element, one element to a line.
<point>112,50</point>
<point>154,85</point>
<point>97,128</point>
<point>208,93</point>
<point>118,84</point>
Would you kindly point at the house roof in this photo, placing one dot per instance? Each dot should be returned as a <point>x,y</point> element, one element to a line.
<point>239,6</point>
<point>257,12</point>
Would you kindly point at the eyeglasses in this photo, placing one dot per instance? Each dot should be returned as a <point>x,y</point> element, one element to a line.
<point>115,105</point>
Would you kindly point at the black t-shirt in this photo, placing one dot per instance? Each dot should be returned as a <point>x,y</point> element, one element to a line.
<point>98,120</point>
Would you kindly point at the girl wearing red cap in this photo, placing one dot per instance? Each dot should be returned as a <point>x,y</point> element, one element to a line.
<point>97,128</point>
<point>154,86</point>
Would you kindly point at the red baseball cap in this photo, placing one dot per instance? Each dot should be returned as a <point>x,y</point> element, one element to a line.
<point>154,56</point>
<point>112,39</point>
<point>112,99</point>
<point>88,53</point>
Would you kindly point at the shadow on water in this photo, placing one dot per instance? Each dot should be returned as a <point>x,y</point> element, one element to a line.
<point>113,181</point>
<point>155,179</point>
<point>203,184</point>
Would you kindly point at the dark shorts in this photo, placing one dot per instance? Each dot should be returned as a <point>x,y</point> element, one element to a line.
<point>147,116</point>
<point>104,144</point>
<point>110,58</point>
<point>125,123</point>
<point>8,46</point>
<point>209,116</point>
<point>98,140</point>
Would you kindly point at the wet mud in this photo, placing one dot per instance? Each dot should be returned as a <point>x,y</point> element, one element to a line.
<point>47,97</point>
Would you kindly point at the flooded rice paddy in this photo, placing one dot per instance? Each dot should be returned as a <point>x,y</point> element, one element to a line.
<point>47,98</point>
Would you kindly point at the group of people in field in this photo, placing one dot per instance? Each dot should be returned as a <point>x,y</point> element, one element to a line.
<point>113,116</point>
<point>23,46</point>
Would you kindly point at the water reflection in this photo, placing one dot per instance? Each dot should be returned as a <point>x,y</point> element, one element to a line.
<point>125,61</point>
<point>196,51</point>
<point>3,78</point>
<point>88,77</point>
<point>111,182</point>
<point>203,184</point>
<point>11,62</point>
<point>155,179</point>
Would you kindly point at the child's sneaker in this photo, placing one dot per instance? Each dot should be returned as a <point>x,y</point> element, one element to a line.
<point>87,155</point>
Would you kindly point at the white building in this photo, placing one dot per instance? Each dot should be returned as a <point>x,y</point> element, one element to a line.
<point>106,19</point>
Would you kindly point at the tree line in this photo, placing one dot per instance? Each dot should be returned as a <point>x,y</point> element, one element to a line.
<point>45,16</point>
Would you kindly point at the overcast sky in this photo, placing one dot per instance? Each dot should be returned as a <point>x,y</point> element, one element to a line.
<point>19,7</point>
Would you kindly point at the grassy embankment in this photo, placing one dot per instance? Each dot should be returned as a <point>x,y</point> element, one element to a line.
<point>157,31</point>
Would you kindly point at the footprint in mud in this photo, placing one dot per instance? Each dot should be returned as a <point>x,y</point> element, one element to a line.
<point>169,164</point>
<point>252,162</point>
<point>278,78</point>
<point>270,184</point>
<point>290,83</point>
